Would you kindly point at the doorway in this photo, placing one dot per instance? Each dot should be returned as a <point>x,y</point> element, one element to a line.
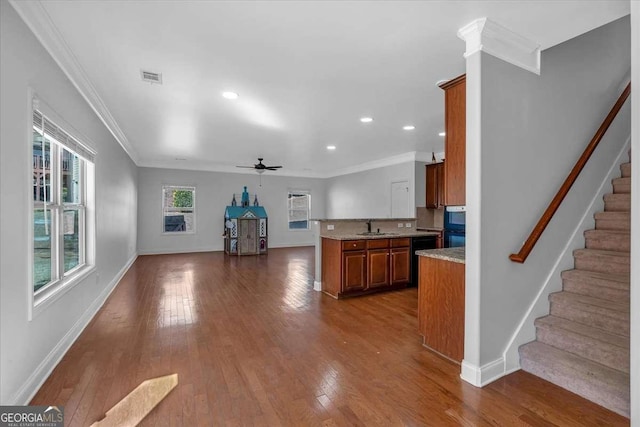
<point>400,199</point>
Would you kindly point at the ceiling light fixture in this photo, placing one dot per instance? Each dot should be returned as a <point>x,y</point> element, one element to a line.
<point>366,119</point>
<point>331,147</point>
<point>441,134</point>
<point>409,127</point>
<point>230,95</point>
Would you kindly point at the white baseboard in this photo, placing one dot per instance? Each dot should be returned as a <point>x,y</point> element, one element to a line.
<point>525,331</point>
<point>480,376</point>
<point>291,245</point>
<point>317,286</point>
<point>179,251</point>
<point>214,249</point>
<point>31,386</point>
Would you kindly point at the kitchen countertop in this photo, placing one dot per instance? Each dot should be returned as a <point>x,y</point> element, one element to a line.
<point>390,235</point>
<point>446,254</point>
<point>361,219</point>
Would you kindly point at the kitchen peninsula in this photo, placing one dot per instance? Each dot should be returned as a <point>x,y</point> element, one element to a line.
<point>441,301</point>
<point>361,256</point>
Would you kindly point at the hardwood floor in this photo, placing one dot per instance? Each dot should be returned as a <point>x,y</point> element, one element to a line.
<point>253,344</point>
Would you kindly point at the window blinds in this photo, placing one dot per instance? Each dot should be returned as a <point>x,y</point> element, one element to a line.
<point>43,124</point>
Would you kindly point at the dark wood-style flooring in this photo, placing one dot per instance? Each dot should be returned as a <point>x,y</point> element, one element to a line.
<point>254,345</point>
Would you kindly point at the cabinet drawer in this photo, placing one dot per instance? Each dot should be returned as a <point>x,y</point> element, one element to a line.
<point>377,243</point>
<point>353,245</point>
<point>400,243</point>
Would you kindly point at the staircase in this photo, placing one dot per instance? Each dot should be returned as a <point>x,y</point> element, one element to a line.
<point>583,345</point>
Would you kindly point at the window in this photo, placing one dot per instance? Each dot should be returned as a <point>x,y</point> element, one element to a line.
<point>178,209</point>
<point>299,206</point>
<point>62,168</point>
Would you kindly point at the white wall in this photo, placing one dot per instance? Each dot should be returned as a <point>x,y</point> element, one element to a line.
<point>30,349</point>
<point>367,194</point>
<point>532,129</point>
<point>214,191</point>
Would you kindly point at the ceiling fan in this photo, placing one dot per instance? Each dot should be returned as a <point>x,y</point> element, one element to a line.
<point>261,167</point>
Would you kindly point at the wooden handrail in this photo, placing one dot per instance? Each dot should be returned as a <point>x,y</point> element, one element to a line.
<point>566,186</point>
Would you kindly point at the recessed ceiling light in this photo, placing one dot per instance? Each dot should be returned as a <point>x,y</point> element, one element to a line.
<point>409,127</point>
<point>230,95</point>
<point>441,134</point>
<point>331,147</point>
<point>366,119</point>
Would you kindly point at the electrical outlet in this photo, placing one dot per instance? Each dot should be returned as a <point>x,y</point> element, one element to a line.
<point>408,225</point>
<point>330,227</point>
<point>400,225</point>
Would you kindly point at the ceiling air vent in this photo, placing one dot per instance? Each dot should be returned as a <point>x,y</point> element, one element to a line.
<point>151,77</point>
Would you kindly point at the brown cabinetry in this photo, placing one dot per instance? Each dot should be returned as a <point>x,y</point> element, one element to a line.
<point>353,267</point>
<point>441,306</point>
<point>435,185</point>
<point>354,271</point>
<point>454,141</point>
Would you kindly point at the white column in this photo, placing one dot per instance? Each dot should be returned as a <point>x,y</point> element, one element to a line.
<point>635,214</point>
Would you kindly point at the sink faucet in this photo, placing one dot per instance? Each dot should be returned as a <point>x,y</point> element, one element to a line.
<point>368,226</point>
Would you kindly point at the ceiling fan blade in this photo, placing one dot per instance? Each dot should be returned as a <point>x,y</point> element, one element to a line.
<point>247,167</point>
<point>273,167</point>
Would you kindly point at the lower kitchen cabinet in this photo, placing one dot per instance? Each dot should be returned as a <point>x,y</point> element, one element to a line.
<point>355,271</point>
<point>441,306</point>
<point>353,267</point>
<point>400,265</point>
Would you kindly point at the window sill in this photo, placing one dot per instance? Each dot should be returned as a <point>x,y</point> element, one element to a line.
<point>42,301</point>
<point>177,233</point>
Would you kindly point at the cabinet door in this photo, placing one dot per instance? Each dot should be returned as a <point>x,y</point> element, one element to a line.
<point>354,274</point>
<point>400,266</point>
<point>432,198</point>
<point>435,185</point>
<point>247,236</point>
<point>440,184</point>
<point>378,267</point>
<point>455,123</point>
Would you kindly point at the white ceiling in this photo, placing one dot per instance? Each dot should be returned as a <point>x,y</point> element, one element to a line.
<point>305,71</point>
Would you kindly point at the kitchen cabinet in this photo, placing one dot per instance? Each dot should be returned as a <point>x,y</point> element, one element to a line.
<point>353,267</point>
<point>435,185</point>
<point>441,306</point>
<point>400,266</point>
<point>354,271</point>
<point>455,123</point>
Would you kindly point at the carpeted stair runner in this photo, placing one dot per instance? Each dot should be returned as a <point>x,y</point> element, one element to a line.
<point>583,345</point>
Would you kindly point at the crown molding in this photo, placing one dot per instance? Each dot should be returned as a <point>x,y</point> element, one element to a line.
<point>34,14</point>
<point>484,35</point>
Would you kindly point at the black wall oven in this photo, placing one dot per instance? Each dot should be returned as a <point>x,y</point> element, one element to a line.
<point>454,226</point>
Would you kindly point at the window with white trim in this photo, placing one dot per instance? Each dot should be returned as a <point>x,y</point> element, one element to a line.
<point>62,167</point>
<point>298,207</point>
<point>178,209</point>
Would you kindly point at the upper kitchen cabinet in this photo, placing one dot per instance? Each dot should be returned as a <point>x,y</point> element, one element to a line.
<point>435,185</point>
<point>454,141</point>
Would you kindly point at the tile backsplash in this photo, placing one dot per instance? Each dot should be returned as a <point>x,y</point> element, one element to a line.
<point>428,218</point>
